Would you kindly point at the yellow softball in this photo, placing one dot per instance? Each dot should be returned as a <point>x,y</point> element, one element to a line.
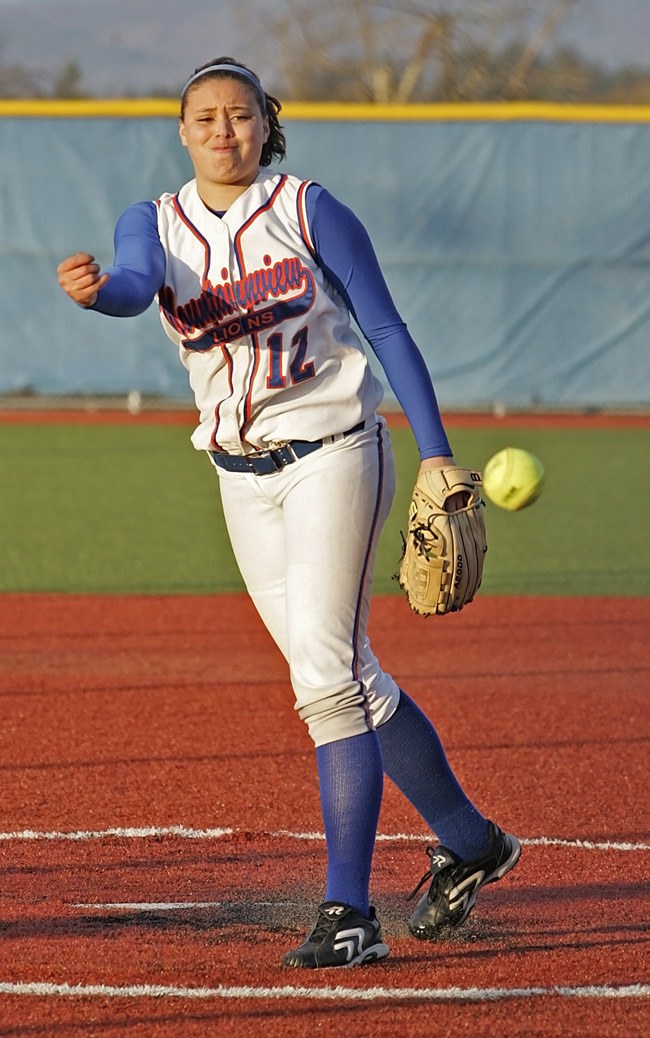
<point>513,478</point>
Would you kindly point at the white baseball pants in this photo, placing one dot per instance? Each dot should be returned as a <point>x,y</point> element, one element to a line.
<point>305,539</point>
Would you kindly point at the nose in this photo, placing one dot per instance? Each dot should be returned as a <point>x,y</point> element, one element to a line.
<point>223,125</point>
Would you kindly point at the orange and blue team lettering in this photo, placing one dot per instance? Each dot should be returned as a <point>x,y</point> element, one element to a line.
<point>224,300</point>
<point>229,297</point>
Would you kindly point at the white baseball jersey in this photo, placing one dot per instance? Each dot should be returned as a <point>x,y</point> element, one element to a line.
<point>266,340</point>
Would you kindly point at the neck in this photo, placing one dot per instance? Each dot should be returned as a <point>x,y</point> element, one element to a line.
<point>220,196</point>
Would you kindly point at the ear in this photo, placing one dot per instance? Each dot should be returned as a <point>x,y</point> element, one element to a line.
<point>267,128</point>
<point>181,133</point>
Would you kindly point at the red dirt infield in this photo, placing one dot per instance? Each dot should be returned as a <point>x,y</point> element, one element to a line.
<point>160,832</point>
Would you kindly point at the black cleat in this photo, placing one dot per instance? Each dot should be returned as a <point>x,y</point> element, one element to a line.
<point>455,884</point>
<point>341,937</point>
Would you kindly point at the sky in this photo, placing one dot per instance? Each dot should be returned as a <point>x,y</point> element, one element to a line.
<point>132,46</point>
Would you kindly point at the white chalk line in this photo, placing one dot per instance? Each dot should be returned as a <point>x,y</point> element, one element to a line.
<point>122,833</point>
<point>186,833</point>
<point>175,906</point>
<point>338,994</point>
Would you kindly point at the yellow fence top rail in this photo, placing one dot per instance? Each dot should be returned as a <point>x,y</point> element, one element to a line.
<point>502,111</point>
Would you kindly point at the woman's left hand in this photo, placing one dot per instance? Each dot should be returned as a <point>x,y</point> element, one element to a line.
<point>456,501</point>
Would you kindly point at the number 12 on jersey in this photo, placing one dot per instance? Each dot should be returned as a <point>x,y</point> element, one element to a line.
<point>299,371</point>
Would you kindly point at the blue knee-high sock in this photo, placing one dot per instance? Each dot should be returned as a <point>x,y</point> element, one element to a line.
<point>350,774</point>
<point>416,762</point>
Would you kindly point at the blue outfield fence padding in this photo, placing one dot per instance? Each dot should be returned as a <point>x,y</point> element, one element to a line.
<point>516,246</point>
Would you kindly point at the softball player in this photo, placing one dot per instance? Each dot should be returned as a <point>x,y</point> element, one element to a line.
<point>257,275</point>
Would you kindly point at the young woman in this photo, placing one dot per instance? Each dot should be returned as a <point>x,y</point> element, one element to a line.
<point>257,275</point>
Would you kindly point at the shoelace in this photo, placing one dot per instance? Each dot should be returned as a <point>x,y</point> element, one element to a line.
<point>323,926</point>
<point>427,875</point>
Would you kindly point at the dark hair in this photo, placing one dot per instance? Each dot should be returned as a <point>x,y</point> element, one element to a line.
<point>276,145</point>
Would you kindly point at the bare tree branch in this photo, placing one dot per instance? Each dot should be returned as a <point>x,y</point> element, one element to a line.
<point>403,50</point>
<point>516,82</point>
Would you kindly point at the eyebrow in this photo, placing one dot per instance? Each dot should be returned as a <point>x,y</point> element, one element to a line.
<point>231,108</point>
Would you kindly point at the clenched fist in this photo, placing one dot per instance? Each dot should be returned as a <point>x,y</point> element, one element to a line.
<point>79,277</point>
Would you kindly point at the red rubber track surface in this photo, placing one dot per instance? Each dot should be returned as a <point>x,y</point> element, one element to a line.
<point>510,420</point>
<point>142,713</point>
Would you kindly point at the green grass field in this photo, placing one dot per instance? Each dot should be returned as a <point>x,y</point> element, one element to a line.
<point>130,509</point>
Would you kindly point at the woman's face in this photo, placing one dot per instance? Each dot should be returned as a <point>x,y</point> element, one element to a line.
<point>224,131</point>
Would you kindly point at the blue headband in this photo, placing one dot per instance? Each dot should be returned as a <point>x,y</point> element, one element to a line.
<point>234,70</point>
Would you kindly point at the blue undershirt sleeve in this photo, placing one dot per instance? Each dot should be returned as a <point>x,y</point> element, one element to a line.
<point>138,269</point>
<point>346,255</point>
